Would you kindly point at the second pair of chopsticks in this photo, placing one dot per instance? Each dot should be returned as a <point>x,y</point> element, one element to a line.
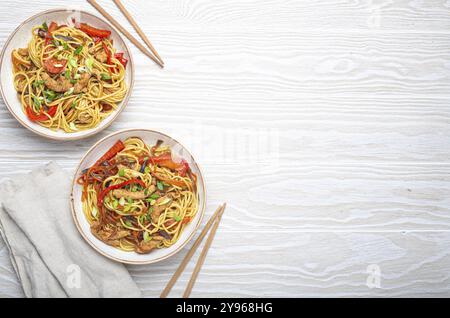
<point>155,56</point>
<point>214,222</point>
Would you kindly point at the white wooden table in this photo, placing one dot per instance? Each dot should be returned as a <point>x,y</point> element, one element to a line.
<point>325,125</point>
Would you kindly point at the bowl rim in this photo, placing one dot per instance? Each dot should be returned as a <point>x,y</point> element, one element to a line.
<point>89,132</point>
<point>200,210</point>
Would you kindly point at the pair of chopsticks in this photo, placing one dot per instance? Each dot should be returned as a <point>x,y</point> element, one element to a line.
<point>213,221</point>
<point>155,56</point>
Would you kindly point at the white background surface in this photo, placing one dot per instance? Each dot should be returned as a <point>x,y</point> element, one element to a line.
<point>348,103</point>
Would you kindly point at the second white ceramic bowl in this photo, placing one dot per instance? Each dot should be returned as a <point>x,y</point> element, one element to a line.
<point>150,137</point>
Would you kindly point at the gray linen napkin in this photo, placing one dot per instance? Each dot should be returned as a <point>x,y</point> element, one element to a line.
<point>48,254</point>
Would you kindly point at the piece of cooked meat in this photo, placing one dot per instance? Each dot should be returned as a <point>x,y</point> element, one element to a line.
<point>158,208</point>
<point>108,235</point>
<point>23,51</point>
<point>146,247</point>
<point>81,83</point>
<point>60,85</point>
<point>138,195</point>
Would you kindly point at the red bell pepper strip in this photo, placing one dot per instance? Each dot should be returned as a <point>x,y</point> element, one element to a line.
<point>177,183</point>
<point>108,53</point>
<point>48,34</point>
<point>108,57</point>
<point>165,160</point>
<point>169,164</point>
<point>41,117</point>
<point>94,32</point>
<point>118,146</point>
<point>117,186</point>
<point>183,168</point>
<point>53,26</point>
<point>186,220</point>
<point>164,157</point>
<point>121,59</point>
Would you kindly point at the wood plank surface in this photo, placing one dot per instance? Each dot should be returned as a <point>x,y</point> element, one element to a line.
<point>323,124</point>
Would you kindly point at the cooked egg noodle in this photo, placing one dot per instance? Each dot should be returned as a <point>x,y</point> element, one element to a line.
<point>135,216</point>
<point>105,89</point>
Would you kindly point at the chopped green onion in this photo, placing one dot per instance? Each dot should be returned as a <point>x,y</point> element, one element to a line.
<point>177,218</point>
<point>36,102</point>
<point>73,62</point>
<point>122,201</point>
<point>126,208</point>
<point>65,45</point>
<point>73,81</point>
<point>154,196</point>
<point>105,76</point>
<point>69,91</point>
<point>160,185</point>
<point>38,83</point>
<point>74,104</point>
<point>72,126</point>
<point>115,204</point>
<point>89,63</point>
<point>128,223</point>
<point>45,26</point>
<point>121,172</point>
<point>78,50</point>
<point>130,200</point>
<point>50,95</point>
<point>147,169</point>
<point>77,76</point>
<point>146,236</point>
<point>67,74</point>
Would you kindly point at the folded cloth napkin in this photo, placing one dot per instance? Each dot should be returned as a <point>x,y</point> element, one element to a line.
<point>48,254</point>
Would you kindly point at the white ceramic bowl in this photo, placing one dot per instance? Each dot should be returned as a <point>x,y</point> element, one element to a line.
<point>20,38</point>
<point>150,137</point>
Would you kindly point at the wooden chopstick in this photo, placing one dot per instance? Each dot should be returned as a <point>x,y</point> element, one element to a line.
<point>191,252</point>
<point>124,31</point>
<point>137,28</point>
<point>201,258</point>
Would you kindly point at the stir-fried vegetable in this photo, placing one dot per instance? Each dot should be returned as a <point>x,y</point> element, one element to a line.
<point>118,146</point>
<point>42,115</point>
<point>121,59</point>
<point>165,160</point>
<point>94,32</point>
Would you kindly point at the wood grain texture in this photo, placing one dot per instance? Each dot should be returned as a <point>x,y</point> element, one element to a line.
<point>323,124</point>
